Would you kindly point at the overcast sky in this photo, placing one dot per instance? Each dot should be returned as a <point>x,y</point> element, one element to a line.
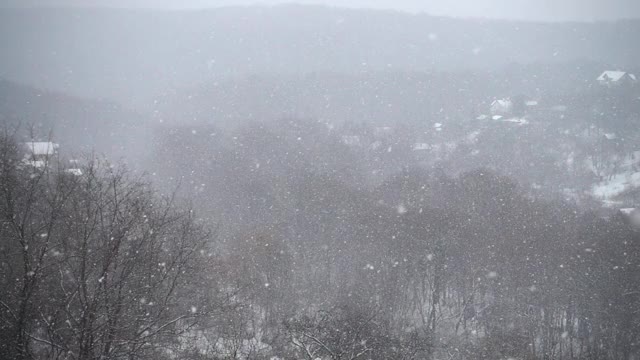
<point>549,10</point>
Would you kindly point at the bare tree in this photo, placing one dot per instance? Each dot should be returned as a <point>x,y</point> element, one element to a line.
<point>98,266</point>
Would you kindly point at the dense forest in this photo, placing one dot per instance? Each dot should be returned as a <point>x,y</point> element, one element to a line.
<point>299,256</point>
<point>302,182</point>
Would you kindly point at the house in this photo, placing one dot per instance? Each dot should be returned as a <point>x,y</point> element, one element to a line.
<point>37,153</point>
<point>502,107</point>
<point>74,172</point>
<point>616,78</point>
<point>74,168</point>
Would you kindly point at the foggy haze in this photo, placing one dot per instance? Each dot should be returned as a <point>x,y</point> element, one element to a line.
<point>536,10</point>
<point>320,180</point>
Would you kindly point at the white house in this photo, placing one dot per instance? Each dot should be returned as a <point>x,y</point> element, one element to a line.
<point>37,153</point>
<point>75,172</point>
<point>613,78</point>
<point>502,107</point>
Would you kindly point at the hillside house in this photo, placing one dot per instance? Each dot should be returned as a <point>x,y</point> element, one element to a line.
<point>501,107</point>
<point>616,78</point>
<point>37,153</point>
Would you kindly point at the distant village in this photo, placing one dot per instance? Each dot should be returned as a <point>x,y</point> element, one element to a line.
<point>583,136</point>
<point>40,154</point>
<point>587,124</point>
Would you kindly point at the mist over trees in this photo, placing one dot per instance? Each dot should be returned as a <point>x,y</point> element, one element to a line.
<point>317,183</point>
<point>133,55</point>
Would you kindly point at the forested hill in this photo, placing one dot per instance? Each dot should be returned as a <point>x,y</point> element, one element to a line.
<point>130,55</point>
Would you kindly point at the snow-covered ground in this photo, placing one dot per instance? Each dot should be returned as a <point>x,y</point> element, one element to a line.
<point>616,185</point>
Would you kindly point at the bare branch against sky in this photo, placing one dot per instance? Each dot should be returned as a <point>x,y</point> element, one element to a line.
<point>547,10</point>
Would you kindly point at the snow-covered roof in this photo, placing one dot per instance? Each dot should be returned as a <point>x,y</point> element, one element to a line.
<point>501,106</point>
<point>41,148</point>
<point>614,76</point>
<point>619,183</point>
<point>76,172</point>
<point>35,163</point>
<point>610,136</point>
<point>627,211</point>
<point>516,120</point>
<point>502,102</point>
